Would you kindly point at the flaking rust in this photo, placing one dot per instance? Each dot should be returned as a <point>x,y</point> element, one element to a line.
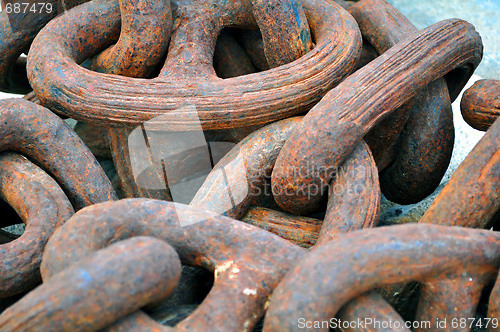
<point>451,262</point>
<point>412,145</point>
<point>259,260</point>
<point>17,31</point>
<point>43,206</point>
<point>166,67</point>
<point>480,104</point>
<point>187,77</point>
<point>331,130</point>
<point>37,133</point>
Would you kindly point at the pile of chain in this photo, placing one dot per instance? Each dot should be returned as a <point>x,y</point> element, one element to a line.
<point>309,111</point>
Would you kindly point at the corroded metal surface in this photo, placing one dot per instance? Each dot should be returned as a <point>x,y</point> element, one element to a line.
<point>354,196</point>
<point>144,36</point>
<point>345,3</point>
<point>441,257</point>
<point>383,26</point>
<point>37,133</point>
<point>284,28</point>
<point>33,98</point>
<point>248,262</point>
<point>368,53</point>
<point>480,104</point>
<point>472,195</point>
<point>451,209</point>
<point>111,259</point>
<point>95,138</point>
<point>230,59</point>
<point>16,40</point>
<point>302,231</point>
<point>494,303</point>
<point>187,77</point>
<point>252,42</point>
<point>244,172</point>
<point>142,44</point>
<point>101,287</point>
<point>151,182</point>
<point>424,147</point>
<point>426,142</point>
<point>43,206</point>
<point>120,151</point>
<point>331,130</point>
<point>372,306</point>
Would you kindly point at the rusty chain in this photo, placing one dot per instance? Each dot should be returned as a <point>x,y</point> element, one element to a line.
<point>187,78</point>
<point>414,166</point>
<point>16,36</point>
<point>247,262</point>
<point>453,263</point>
<point>318,107</point>
<point>336,133</point>
<point>43,206</point>
<point>480,104</point>
<point>37,133</point>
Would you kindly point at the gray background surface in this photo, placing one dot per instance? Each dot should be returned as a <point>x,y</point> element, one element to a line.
<point>484,14</point>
